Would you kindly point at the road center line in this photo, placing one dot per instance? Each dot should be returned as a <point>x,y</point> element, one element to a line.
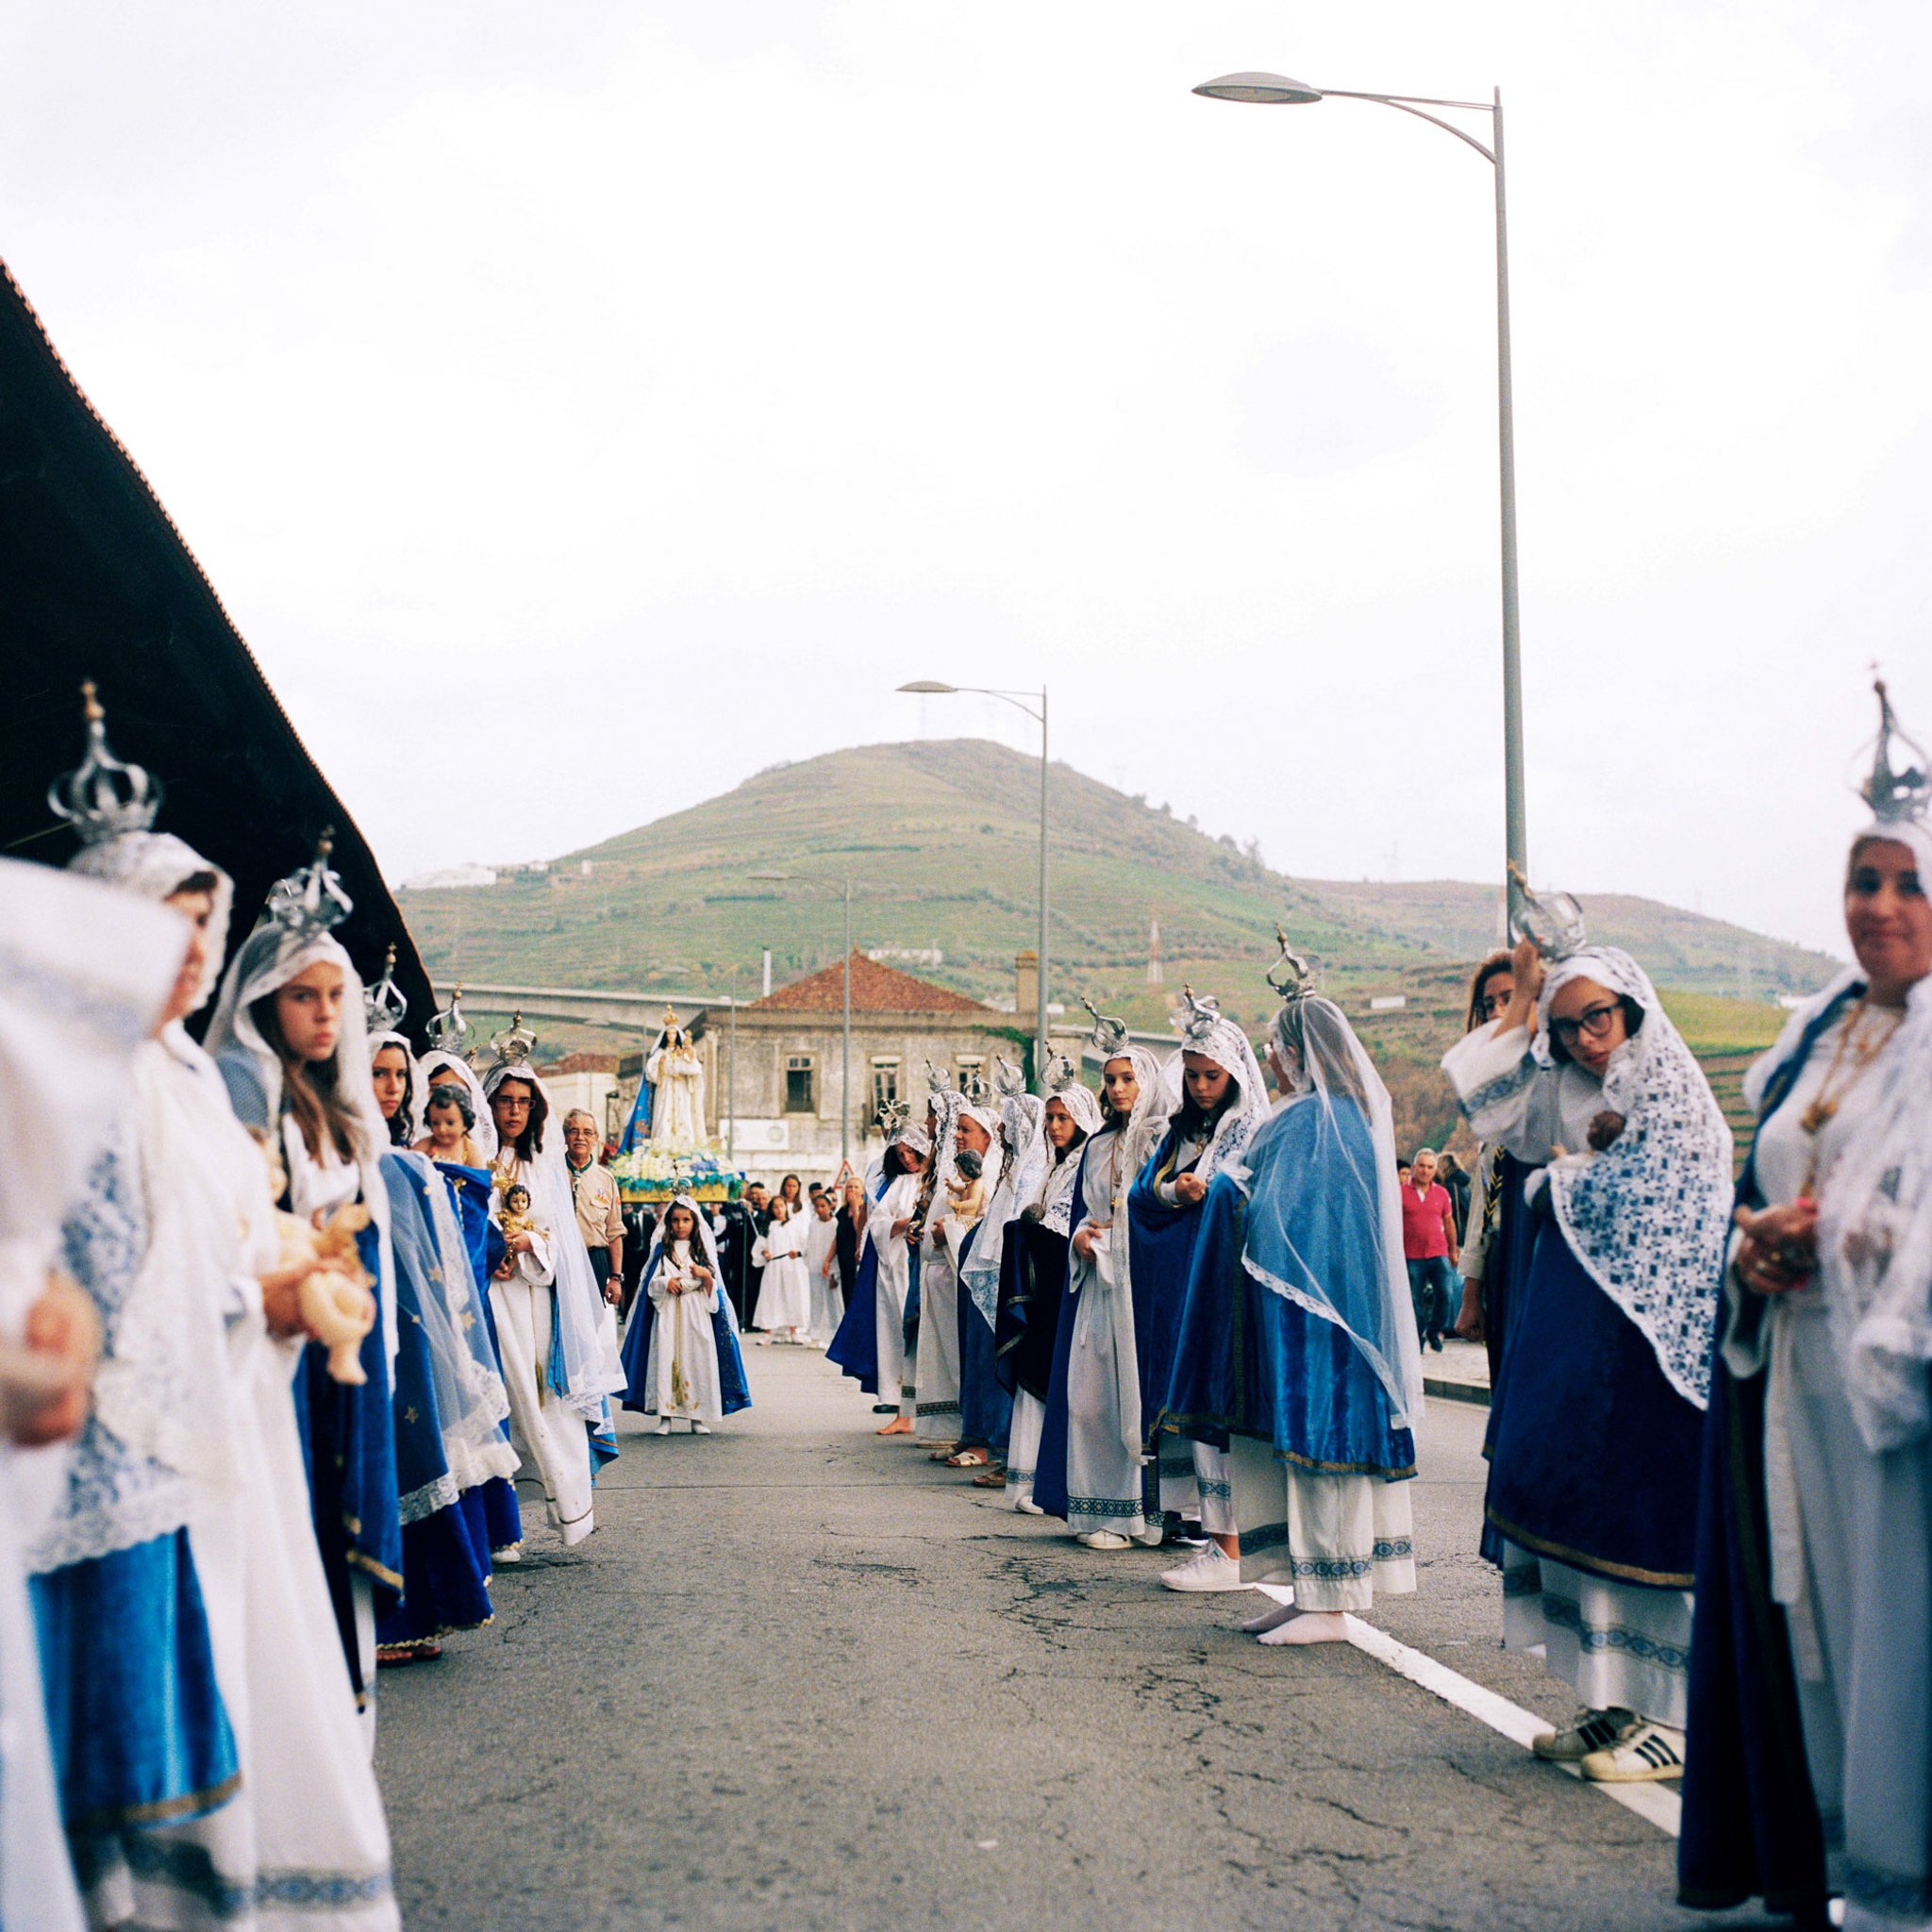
<point>1661,1806</point>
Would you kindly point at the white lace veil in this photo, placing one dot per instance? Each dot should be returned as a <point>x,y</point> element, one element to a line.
<point>590,1368</point>
<point>1208,1031</point>
<point>1054,1194</point>
<point>1649,1217</point>
<point>1021,1174</point>
<point>1325,1230</point>
<point>442,1068</point>
<point>155,865</point>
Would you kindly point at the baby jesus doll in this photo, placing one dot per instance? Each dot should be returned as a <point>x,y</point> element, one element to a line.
<point>517,1217</point>
<point>966,1188</point>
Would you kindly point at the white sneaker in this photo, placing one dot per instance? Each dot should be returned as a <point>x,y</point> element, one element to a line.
<point>701,1428</point>
<point>1589,1731</point>
<point>1644,1754</point>
<point>1027,1507</point>
<point>663,1428</point>
<point>1102,1540</point>
<point>1214,1569</point>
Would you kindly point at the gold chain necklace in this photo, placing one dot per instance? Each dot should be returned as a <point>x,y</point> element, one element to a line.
<point>1824,1106</point>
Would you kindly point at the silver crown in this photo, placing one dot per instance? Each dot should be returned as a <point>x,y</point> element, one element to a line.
<point>893,1116</point>
<point>1199,1017</point>
<point>973,1089</point>
<point>1061,1074</point>
<point>102,798</point>
<point>1554,920</point>
<point>1009,1077</point>
<point>1109,1036</point>
<point>448,1029</point>
<point>514,1046</point>
<point>312,902</point>
<point>1294,976</point>
<point>936,1080</point>
<point>1893,795</point>
<point>383,1004</point>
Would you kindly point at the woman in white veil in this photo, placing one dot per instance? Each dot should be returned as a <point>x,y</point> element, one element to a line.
<point>556,1334</point>
<point>1296,1349</point>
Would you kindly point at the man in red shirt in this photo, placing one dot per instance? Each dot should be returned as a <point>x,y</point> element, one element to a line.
<point>1429,1246</point>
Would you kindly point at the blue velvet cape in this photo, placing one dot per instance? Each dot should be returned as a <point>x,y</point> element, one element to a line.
<point>855,1347</point>
<point>1160,1248</point>
<point>1750,1820</point>
<point>1033,1284</point>
<point>491,1510</point>
<point>1249,1361</point>
<point>986,1404</point>
<point>445,1574</point>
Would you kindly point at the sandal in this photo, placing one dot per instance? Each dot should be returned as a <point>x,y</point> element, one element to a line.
<point>944,1453</point>
<point>975,1458</point>
<point>992,1477</point>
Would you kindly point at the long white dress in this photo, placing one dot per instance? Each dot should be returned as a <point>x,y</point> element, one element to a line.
<point>785,1290</point>
<point>547,1433</point>
<point>889,1294</point>
<point>1104,1483</point>
<point>682,1373</point>
<point>936,1366</point>
<point>827,1294</point>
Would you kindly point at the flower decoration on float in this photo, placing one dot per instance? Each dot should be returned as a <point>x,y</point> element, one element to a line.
<point>1109,1036</point>
<point>102,798</point>
<point>311,902</point>
<point>448,1029</point>
<point>1896,796</point>
<point>1552,921</point>
<point>384,1006</point>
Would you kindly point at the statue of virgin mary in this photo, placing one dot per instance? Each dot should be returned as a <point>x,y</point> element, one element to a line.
<point>676,1077</point>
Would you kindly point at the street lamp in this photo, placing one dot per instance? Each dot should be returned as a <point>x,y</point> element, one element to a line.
<point>926,687</point>
<point>845,1065</point>
<point>1276,90</point>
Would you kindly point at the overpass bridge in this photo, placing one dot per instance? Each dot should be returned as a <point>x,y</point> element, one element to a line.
<point>634,1014</point>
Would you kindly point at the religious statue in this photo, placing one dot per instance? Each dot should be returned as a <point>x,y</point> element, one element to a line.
<point>676,1076</point>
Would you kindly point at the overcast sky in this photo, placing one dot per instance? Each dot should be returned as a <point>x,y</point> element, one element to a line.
<point>639,391</point>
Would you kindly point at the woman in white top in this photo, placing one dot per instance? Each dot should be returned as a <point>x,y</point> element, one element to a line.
<point>784,1308</point>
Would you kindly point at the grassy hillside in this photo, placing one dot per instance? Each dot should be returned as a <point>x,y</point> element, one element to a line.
<point>941,841</point>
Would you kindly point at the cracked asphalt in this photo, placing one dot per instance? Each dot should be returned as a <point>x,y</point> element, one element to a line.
<point>802,1678</point>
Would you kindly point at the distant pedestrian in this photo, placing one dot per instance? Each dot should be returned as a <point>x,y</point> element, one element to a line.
<point>1455,1184</point>
<point>1429,1245</point>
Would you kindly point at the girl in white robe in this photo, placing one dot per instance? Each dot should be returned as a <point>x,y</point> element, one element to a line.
<point>203,1403</point>
<point>784,1308</point>
<point>894,1196</point>
<point>821,1271</point>
<point>681,1306</point>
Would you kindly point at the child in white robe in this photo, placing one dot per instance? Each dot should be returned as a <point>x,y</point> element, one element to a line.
<point>822,1268</point>
<point>681,1377</point>
<point>784,1308</point>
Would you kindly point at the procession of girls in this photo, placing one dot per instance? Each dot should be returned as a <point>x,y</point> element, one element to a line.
<point>1709,1489</point>
<point>345,1311</point>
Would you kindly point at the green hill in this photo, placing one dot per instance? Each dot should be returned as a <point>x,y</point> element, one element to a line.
<point>941,841</point>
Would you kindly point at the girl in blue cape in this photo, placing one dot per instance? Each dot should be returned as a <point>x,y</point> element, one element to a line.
<point>870,1345</point>
<point>1223,1099</point>
<point>680,1353</point>
<point>1297,1348</point>
<point>1598,1417</point>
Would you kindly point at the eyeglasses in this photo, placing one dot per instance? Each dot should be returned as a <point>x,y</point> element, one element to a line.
<point>1491,1004</point>
<point>1594,1020</point>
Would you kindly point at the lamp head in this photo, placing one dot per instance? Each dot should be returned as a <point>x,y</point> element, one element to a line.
<point>929,687</point>
<point>1273,89</point>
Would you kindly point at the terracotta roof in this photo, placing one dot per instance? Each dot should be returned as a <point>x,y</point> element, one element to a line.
<point>876,989</point>
<point>582,1063</point>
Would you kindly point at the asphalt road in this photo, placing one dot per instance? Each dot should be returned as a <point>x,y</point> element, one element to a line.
<point>802,1678</point>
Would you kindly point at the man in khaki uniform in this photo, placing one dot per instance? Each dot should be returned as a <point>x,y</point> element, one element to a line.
<point>600,1209</point>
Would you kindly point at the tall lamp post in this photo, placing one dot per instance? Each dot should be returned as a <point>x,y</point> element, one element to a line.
<point>845,1065</point>
<point>1276,90</point>
<point>925,687</point>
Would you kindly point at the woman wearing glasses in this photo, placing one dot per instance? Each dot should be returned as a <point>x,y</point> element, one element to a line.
<point>1595,1440</point>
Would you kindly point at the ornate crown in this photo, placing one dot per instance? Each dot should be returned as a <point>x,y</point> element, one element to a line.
<point>383,1004</point>
<point>448,1029</point>
<point>1009,1077</point>
<point>312,902</point>
<point>1061,1074</point>
<point>936,1080</point>
<point>973,1089</point>
<point>1294,976</point>
<point>1893,796</point>
<point>515,1044</point>
<point>101,798</point>
<point>1199,1017</point>
<point>1554,920</point>
<point>893,1116</point>
<point>1109,1036</point>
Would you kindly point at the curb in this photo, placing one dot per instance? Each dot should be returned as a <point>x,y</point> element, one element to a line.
<point>1477,1393</point>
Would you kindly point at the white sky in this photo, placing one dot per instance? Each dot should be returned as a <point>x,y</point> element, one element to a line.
<point>641,391</point>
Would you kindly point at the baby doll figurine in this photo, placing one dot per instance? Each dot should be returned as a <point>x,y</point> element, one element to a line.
<point>966,1192</point>
<point>517,1217</point>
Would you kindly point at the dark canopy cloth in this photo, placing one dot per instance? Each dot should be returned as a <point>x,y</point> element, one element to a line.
<point>101,585</point>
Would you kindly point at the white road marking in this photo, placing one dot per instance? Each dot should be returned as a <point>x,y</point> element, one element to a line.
<point>1657,1803</point>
